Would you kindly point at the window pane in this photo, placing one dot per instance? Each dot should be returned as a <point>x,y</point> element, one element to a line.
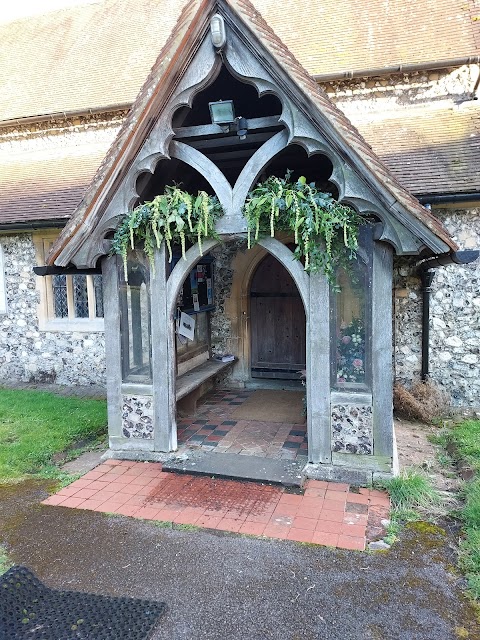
<point>201,338</point>
<point>135,320</point>
<point>97,283</point>
<point>80,296</point>
<point>351,352</point>
<point>59,285</point>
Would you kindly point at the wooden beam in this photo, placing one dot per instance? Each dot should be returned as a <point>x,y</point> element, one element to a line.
<point>204,130</point>
<point>227,155</point>
<point>230,141</point>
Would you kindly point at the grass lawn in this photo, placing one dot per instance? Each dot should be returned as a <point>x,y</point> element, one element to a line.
<point>35,425</point>
<point>466,438</point>
<point>414,497</point>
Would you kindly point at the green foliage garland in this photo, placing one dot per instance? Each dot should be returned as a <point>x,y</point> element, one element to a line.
<point>174,216</point>
<point>325,231</point>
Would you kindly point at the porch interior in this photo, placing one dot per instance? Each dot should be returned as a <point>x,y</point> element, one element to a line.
<point>265,423</point>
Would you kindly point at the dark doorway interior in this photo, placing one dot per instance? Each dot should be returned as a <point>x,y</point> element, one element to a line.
<point>277,323</point>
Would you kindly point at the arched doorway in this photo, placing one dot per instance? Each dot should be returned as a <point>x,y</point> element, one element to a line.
<point>277,323</point>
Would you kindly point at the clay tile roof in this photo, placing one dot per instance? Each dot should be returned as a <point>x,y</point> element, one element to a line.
<point>81,57</point>
<point>337,36</point>
<point>38,186</point>
<point>430,151</point>
<point>99,54</point>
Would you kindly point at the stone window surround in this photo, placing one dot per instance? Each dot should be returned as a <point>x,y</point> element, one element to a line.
<point>46,320</point>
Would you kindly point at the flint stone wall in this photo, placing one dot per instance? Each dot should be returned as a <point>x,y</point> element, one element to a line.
<point>137,417</point>
<point>454,317</point>
<point>352,430</point>
<point>394,92</point>
<point>30,355</point>
<point>223,279</point>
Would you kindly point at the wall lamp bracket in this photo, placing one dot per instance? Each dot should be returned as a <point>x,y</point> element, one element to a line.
<point>218,32</point>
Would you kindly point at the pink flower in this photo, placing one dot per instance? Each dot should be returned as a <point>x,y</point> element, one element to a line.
<point>346,339</point>
<point>341,379</point>
<point>357,363</point>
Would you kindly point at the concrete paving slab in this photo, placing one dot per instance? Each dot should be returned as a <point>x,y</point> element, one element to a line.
<point>85,462</point>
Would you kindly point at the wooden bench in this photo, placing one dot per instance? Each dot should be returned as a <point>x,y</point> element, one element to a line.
<point>195,383</point>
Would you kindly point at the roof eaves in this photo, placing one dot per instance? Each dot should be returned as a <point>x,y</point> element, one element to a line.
<point>48,223</point>
<point>398,68</point>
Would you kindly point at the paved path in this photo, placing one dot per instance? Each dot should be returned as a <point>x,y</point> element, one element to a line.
<point>216,428</point>
<point>325,513</point>
<point>221,586</point>
<point>77,391</point>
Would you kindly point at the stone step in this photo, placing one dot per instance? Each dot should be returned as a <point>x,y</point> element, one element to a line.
<point>236,467</point>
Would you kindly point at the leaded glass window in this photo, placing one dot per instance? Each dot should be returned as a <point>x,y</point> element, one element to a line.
<point>77,296</point>
<point>80,296</point>
<point>68,302</point>
<point>60,300</point>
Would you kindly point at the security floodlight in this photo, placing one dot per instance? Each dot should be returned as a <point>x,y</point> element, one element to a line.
<point>222,112</point>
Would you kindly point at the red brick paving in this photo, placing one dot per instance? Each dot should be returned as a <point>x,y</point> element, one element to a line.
<point>325,513</point>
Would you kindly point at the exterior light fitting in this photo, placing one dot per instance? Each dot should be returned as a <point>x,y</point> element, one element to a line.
<point>217,31</point>
<point>222,112</point>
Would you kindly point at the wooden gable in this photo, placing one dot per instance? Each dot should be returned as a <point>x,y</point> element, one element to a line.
<point>254,55</point>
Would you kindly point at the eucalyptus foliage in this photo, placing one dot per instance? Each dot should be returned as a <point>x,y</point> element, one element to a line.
<point>175,217</point>
<point>325,231</point>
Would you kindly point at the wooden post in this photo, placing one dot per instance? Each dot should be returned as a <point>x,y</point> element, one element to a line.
<point>113,349</point>
<point>382,375</point>
<point>318,371</point>
<point>165,431</point>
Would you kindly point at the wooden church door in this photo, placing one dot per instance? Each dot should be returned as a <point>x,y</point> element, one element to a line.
<point>278,328</point>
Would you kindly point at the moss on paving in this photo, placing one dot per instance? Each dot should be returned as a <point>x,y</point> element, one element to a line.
<point>5,563</point>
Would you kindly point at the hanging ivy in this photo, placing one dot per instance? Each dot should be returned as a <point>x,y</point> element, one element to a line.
<point>325,231</point>
<point>175,217</point>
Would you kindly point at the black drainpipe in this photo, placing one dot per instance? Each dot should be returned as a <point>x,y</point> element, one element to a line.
<point>426,276</point>
<point>426,271</point>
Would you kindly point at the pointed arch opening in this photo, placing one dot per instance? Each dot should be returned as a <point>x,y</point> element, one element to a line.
<point>316,168</point>
<point>277,323</point>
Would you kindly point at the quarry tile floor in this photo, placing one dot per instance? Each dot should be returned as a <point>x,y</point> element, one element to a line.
<point>214,429</point>
<point>324,513</point>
